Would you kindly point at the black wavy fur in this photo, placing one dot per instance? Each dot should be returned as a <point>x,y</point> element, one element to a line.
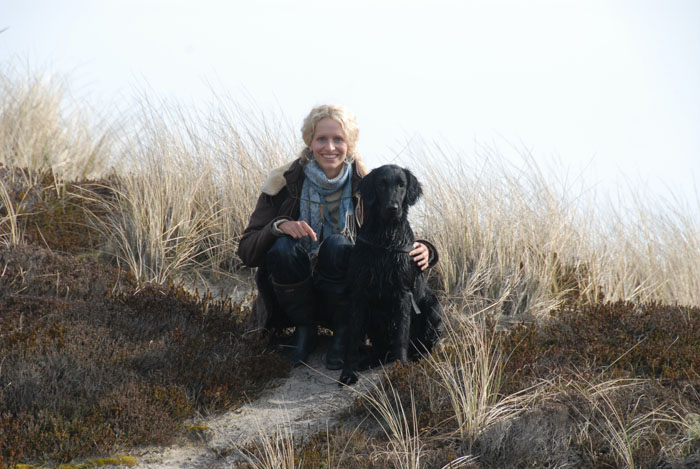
<point>391,303</point>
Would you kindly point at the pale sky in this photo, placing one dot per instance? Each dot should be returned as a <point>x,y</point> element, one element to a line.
<point>609,85</point>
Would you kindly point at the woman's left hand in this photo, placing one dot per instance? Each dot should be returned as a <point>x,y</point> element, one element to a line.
<point>421,255</point>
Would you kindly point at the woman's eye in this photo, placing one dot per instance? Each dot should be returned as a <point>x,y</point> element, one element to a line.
<point>338,140</point>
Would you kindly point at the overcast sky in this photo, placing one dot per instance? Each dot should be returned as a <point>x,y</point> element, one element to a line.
<point>614,85</point>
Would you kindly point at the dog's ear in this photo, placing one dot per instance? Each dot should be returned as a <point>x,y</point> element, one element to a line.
<point>366,189</point>
<point>414,191</point>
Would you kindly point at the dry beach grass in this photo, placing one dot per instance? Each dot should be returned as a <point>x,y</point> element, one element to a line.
<point>573,331</point>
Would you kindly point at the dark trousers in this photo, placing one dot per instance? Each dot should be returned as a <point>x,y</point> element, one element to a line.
<point>289,262</point>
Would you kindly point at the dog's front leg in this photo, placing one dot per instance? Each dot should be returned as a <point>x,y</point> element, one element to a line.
<point>357,328</point>
<point>402,315</point>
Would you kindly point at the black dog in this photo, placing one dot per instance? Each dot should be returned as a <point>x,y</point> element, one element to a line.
<point>391,303</point>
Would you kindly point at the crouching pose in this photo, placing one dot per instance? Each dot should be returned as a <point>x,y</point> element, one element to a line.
<point>302,232</point>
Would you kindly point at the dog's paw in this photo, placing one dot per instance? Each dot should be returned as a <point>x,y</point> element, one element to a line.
<point>347,378</point>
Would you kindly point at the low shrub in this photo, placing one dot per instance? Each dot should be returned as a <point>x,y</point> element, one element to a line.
<point>606,385</point>
<point>90,362</point>
<point>56,214</point>
<point>623,339</point>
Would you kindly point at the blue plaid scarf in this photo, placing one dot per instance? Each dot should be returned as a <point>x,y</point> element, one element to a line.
<point>313,207</point>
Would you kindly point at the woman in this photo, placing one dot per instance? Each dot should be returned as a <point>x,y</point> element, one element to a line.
<point>301,233</point>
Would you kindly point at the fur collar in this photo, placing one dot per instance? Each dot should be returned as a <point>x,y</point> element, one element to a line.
<point>275,180</point>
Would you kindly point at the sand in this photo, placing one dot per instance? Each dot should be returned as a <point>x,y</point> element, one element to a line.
<point>308,401</point>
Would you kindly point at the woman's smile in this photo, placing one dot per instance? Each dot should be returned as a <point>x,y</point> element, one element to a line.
<point>329,147</point>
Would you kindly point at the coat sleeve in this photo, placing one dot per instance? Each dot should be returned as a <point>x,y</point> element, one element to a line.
<point>259,236</point>
<point>433,259</point>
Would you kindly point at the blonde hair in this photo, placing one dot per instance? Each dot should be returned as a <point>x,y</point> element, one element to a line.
<point>347,122</point>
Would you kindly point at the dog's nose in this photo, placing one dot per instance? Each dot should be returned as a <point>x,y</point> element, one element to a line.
<point>393,207</point>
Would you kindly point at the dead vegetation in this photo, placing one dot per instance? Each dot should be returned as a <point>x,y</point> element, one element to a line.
<point>567,347</point>
<point>91,363</point>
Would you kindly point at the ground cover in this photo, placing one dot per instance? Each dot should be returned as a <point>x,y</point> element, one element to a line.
<point>90,363</point>
<point>572,338</point>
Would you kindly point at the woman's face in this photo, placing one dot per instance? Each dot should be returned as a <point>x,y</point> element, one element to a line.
<point>329,147</point>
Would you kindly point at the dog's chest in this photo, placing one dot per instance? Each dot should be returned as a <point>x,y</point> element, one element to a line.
<point>382,274</point>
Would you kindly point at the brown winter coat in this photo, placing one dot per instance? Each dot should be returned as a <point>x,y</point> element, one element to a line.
<point>280,200</point>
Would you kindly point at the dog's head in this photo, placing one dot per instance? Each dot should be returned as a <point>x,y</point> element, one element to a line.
<point>389,190</point>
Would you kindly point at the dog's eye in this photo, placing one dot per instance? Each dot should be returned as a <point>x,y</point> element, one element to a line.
<point>400,183</point>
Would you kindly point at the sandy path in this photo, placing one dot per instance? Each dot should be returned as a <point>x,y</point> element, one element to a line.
<point>309,401</point>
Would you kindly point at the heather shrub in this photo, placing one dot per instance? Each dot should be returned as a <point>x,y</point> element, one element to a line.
<point>623,339</point>
<point>91,363</point>
<point>578,390</point>
<point>337,447</point>
<point>621,376</point>
<point>32,272</point>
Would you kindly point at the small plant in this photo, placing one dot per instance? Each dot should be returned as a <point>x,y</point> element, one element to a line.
<point>405,446</point>
<point>469,367</point>
<point>10,233</point>
<point>623,429</point>
<point>272,451</point>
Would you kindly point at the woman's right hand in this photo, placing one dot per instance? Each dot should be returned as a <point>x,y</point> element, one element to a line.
<point>297,229</point>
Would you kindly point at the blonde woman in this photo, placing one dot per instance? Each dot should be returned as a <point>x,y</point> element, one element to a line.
<point>301,233</point>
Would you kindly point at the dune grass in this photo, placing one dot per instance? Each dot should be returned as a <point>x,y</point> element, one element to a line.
<point>623,429</point>
<point>272,450</point>
<point>513,233</point>
<point>469,367</point>
<point>505,233</point>
<point>9,227</point>
<point>42,126</point>
<point>191,184</point>
<point>571,335</point>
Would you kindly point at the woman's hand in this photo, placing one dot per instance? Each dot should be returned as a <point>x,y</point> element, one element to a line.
<point>421,255</point>
<point>297,229</point>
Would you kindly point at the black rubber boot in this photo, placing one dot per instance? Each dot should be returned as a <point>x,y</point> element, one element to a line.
<point>337,306</point>
<point>298,303</point>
